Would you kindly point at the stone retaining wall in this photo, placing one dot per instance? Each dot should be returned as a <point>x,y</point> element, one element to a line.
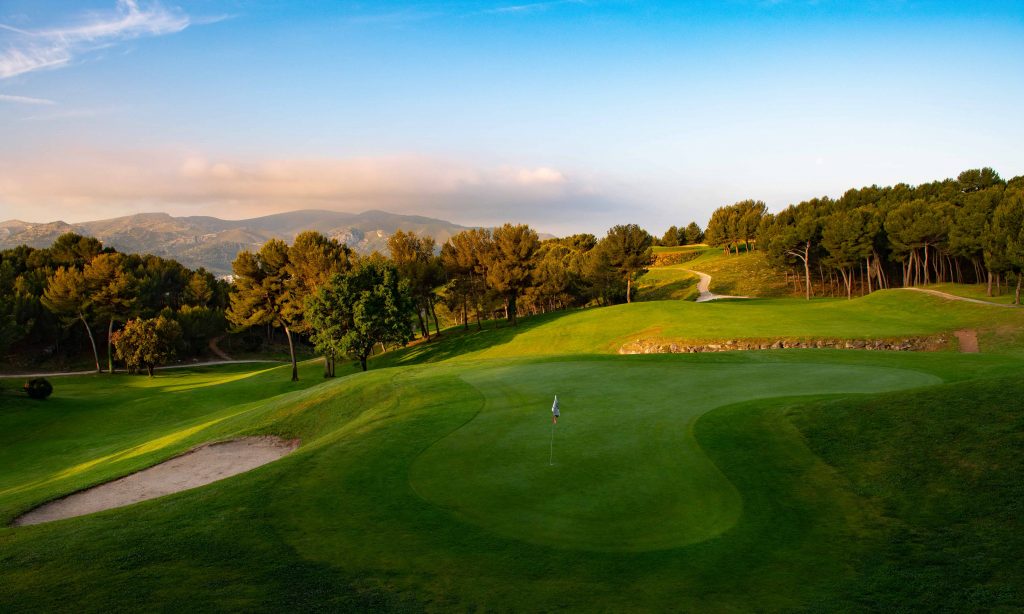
<point>908,344</point>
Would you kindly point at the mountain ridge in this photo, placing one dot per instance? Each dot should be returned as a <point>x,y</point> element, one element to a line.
<point>212,242</point>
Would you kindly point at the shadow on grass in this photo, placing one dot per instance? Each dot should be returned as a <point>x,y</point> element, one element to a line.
<point>681,289</point>
<point>458,341</point>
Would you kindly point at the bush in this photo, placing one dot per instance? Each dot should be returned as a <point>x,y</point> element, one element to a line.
<point>38,388</point>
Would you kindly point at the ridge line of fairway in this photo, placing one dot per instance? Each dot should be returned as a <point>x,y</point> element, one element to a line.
<point>957,298</point>
<point>408,473</point>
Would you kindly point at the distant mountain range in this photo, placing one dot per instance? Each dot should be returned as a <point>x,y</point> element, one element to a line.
<point>200,241</point>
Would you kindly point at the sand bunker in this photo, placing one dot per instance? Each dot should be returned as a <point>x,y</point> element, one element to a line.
<point>197,467</point>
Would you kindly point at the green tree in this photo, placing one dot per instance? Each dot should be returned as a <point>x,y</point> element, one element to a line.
<point>112,293</point>
<point>671,237</point>
<point>1006,235</point>
<point>262,294</point>
<point>849,238</point>
<point>72,250</point>
<point>67,296</point>
<point>356,310</point>
<point>312,260</point>
<point>510,263</point>
<point>628,248</point>
<point>147,343</point>
<point>414,257</point>
<point>794,234</point>
<point>693,234</point>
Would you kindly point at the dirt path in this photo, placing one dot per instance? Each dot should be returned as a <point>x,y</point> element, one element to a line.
<point>704,287</point>
<point>957,298</point>
<point>968,341</point>
<point>215,348</point>
<point>200,466</point>
<point>184,366</point>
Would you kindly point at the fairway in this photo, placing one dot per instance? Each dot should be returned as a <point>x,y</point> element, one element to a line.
<point>629,473</point>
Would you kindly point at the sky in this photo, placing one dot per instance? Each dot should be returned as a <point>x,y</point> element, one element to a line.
<point>569,115</point>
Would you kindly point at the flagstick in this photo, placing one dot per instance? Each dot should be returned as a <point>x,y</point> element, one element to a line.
<point>551,459</point>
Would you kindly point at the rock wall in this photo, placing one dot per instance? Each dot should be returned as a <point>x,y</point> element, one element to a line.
<point>907,344</point>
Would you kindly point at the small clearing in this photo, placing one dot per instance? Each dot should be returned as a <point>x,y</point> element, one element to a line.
<point>200,466</point>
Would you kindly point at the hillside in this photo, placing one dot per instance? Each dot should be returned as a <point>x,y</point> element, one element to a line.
<point>201,241</point>
<point>776,480</point>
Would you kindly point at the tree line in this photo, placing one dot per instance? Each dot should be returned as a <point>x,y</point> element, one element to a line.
<point>143,309</point>
<point>76,292</point>
<point>347,305</point>
<point>964,230</point>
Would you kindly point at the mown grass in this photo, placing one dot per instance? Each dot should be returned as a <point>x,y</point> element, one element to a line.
<point>759,481</point>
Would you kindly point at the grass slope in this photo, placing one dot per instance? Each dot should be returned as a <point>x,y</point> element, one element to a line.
<point>818,480</point>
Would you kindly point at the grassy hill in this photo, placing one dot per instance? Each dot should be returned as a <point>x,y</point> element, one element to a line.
<point>778,480</point>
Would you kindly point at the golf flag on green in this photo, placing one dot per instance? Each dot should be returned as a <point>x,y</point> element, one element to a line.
<point>554,411</point>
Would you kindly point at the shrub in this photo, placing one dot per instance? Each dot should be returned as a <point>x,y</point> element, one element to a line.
<point>38,388</point>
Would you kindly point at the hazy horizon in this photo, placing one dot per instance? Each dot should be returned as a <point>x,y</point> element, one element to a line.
<point>569,115</point>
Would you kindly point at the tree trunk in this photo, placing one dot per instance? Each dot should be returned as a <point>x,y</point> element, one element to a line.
<point>870,290</point>
<point>989,291</point>
<point>95,353</point>
<point>513,310</point>
<point>927,277</point>
<point>362,362</point>
<point>1016,296</point>
<point>291,352</point>
<point>433,313</point>
<point>149,368</point>
<point>327,366</point>
<point>849,283</point>
<point>423,328</point>
<point>110,355</point>
<point>465,314</point>
<point>807,269</point>
<point>629,288</point>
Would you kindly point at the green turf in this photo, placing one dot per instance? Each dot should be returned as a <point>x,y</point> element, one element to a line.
<point>975,291</point>
<point>758,481</point>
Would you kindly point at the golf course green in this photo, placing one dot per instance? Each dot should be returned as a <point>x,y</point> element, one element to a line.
<point>812,480</point>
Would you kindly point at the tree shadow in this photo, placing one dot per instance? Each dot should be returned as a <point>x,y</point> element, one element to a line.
<point>458,341</point>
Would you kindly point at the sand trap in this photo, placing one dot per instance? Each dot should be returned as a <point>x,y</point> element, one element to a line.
<point>197,467</point>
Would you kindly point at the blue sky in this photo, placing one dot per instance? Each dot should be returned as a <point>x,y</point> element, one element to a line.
<point>571,115</point>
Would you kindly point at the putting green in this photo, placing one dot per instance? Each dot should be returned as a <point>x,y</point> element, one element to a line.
<point>628,474</point>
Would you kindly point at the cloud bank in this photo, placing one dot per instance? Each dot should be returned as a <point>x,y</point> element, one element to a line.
<point>86,185</point>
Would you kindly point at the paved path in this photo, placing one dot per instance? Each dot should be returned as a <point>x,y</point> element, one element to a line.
<point>958,298</point>
<point>184,366</point>
<point>704,287</point>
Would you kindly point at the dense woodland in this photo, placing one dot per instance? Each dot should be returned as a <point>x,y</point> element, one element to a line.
<point>77,297</point>
<point>964,230</point>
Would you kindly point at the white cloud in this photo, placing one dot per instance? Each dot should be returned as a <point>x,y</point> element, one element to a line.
<point>25,99</point>
<point>532,7</point>
<point>32,50</point>
<point>539,176</point>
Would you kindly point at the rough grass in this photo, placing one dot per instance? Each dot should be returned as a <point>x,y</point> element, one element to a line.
<point>975,291</point>
<point>667,283</point>
<point>751,481</point>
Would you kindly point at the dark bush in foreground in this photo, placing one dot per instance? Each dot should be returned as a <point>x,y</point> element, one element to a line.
<point>38,388</point>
